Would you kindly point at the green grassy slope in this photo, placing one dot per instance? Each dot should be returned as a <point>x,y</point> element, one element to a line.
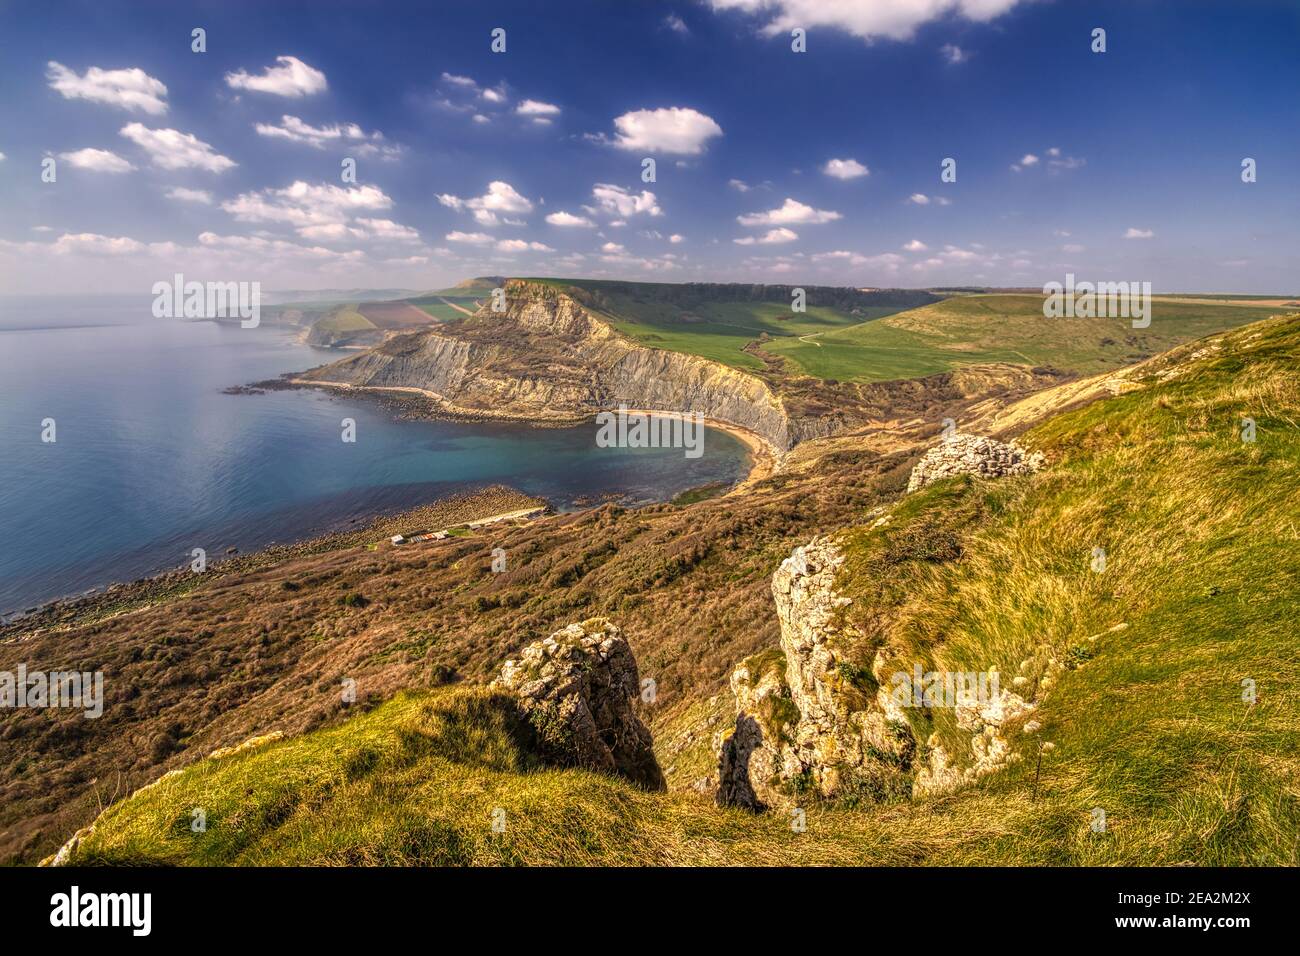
<point>718,321</point>
<point>1003,328</point>
<point>345,319</point>
<point>1148,722</point>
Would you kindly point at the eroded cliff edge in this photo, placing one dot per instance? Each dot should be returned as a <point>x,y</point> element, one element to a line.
<point>549,359</point>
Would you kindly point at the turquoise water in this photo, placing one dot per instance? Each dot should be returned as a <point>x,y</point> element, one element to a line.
<point>151,460</point>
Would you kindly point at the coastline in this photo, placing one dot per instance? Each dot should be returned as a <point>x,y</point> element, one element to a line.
<point>764,459</point>
<point>471,509</point>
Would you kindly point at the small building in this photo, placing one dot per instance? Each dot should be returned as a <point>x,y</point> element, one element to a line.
<point>398,539</point>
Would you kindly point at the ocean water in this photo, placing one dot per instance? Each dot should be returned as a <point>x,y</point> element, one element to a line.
<point>151,460</point>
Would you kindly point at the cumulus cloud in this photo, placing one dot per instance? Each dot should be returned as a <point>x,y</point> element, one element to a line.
<point>309,207</point>
<point>676,238</point>
<point>471,238</point>
<point>676,24</point>
<point>618,201</point>
<point>1134,233</point>
<point>97,160</point>
<point>132,89</point>
<point>1026,161</point>
<point>916,245</point>
<point>500,197</point>
<point>568,219</point>
<point>791,211</point>
<point>678,130</point>
<point>845,169</point>
<point>520,245</point>
<point>89,243</point>
<point>172,149</point>
<point>896,19</point>
<point>537,108</point>
<point>292,78</point>
<point>182,194</point>
<point>920,199</point>
<point>739,185</point>
<point>770,238</point>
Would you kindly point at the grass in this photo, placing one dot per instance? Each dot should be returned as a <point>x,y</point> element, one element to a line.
<point>1003,328</point>
<point>1148,722</point>
<point>345,319</point>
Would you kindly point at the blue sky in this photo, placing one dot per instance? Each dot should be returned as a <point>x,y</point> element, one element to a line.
<point>815,167</point>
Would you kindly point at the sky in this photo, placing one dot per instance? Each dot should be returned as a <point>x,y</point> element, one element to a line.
<point>820,166</point>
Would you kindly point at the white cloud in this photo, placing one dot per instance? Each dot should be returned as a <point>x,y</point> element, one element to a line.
<point>613,248</point>
<point>1134,233</point>
<point>472,238</point>
<point>920,199</point>
<point>309,207</point>
<point>562,218</point>
<point>97,160</point>
<point>132,89</point>
<point>615,200</point>
<point>676,129</point>
<point>519,245</point>
<point>387,229</point>
<point>770,238</point>
<point>2,157</point>
<point>676,24</point>
<point>916,245</point>
<point>171,149</point>
<point>1072,247</point>
<point>791,211</point>
<point>954,54</point>
<point>739,185</point>
<point>1029,159</point>
<point>182,194</point>
<point>294,130</point>
<point>291,78</point>
<point>537,108</point>
<point>676,238</point>
<point>845,169</point>
<point>895,19</point>
<point>500,197</point>
<point>89,243</point>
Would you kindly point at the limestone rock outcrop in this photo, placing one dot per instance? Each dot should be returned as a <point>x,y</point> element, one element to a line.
<point>807,719</point>
<point>576,689</point>
<point>962,454</point>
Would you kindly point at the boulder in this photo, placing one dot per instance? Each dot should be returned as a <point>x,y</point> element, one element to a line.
<point>576,689</point>
<point>961,454</point>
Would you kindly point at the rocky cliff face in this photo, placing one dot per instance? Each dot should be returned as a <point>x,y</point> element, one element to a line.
<point>806,719</point>
<point>822,715</point>
<point>547,358</point>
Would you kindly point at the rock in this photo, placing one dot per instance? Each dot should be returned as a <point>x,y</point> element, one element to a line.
<point>961,454</point>
<point>803,718</point>
<point>576,689</point>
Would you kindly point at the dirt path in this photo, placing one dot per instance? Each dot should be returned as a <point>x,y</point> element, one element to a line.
<point>458,308</point>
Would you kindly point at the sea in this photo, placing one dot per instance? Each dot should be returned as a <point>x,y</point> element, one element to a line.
<point>150,460</point>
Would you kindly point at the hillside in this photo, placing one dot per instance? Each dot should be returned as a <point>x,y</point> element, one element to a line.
<point>978,329</point>
<point>1133,674</point>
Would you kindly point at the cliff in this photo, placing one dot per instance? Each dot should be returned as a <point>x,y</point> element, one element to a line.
<point>547,358</point>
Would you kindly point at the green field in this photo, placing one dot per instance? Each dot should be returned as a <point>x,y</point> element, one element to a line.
<point>1002,328</point>
<point>442,306</point>
<point>345,319</point>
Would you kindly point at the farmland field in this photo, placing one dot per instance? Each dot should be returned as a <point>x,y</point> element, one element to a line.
<point>1003,328</point>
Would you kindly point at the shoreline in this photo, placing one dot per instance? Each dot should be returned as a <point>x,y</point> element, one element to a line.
<point>764,459</point>
<point>440,513</point>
